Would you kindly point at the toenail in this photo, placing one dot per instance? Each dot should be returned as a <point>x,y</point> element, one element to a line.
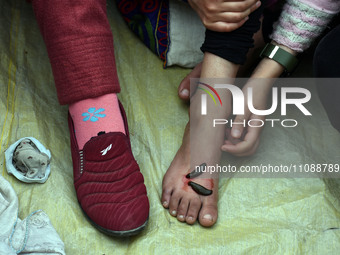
<point>181,217</point>
<point>173,213</point>
<point>185,92</point>
<point>190,218</point>
<point>208,217</point>
<point>165,203</point>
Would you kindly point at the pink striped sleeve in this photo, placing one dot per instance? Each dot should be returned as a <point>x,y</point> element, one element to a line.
<point>301,21</point>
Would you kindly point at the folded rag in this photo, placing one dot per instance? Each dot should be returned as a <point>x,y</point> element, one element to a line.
<point>28,160</point>
<point>33,235</point>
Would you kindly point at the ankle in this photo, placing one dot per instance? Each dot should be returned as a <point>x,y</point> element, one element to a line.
<point>94,115</point>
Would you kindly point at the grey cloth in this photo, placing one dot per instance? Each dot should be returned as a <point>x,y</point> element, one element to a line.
<point>28,160</point>
<point>41,236</point>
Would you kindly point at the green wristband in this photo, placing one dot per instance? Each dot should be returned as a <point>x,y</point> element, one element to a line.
<point>284,58</point>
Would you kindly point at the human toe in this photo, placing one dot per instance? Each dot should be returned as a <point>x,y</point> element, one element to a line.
<point>208,215</point>
<point>193,210</point>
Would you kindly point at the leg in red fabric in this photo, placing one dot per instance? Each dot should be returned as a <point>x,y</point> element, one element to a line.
<point>109,185</point>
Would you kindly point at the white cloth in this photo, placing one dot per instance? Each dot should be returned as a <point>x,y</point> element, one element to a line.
<point>39,174</point>
<point>186,35</point>
<point>41,236</point>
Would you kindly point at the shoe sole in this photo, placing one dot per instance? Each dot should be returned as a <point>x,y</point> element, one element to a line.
<point>125,233</point>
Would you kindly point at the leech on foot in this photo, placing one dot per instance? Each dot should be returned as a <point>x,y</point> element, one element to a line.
<point>199,189</point>
<point>196,172</point>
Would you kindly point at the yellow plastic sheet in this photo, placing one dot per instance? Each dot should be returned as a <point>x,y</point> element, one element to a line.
<point>256,216</point>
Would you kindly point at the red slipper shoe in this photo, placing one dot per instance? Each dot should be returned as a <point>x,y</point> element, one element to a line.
<point>109,185</point>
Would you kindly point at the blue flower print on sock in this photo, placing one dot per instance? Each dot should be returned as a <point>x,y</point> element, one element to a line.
<point>93,114</point>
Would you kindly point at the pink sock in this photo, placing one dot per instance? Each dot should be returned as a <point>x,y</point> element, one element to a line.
<point>94,115</point>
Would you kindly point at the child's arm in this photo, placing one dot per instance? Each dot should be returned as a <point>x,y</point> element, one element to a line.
<point>233,46</point>
<point>244,141</point>
<point>224,52</point>
<point>299,24</point>
<point>302,21</point>
<point>230,46</point>
<point>216,67</point>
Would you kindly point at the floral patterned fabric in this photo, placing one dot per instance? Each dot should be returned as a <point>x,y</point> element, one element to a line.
<point>148,19</point>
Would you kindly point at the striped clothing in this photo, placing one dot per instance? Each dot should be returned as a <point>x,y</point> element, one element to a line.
<point>301,21</point>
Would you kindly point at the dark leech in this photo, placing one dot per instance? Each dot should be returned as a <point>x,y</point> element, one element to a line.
<point>199,189</point>
<point>196,172</point>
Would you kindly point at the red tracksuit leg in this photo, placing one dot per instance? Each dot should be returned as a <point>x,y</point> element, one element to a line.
<point>79,43</point>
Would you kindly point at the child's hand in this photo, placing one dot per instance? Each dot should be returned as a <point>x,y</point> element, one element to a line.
<point>224,15</point>
<point>244,139</point>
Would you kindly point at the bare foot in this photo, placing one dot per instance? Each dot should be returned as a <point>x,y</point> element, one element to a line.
<point>181,200</point>
<point>177,196</point>
<point>205,142</point>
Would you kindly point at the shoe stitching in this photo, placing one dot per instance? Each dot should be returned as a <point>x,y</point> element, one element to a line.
<point>106,185</point>
<point>103,203</point>
<point>116,180</point>
<point>107,174</point>
<point>99,182</point>
<point>81,161</point>
<point>104,193</point>
<point>120,169</point>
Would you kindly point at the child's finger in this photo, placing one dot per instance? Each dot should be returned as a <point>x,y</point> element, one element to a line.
<point>240,149</point>
<point>236,11</point>
<point>246,147</point>
<point>243,146</point>
<point>253,137</point>
<point>230,139</point>
<point>251,151</point>
<point>255,6</point>
<point>238,125</point>
<point>240,6</point>
<point>230,12</point>
<point>229,17</point>
<point>221,26</point>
